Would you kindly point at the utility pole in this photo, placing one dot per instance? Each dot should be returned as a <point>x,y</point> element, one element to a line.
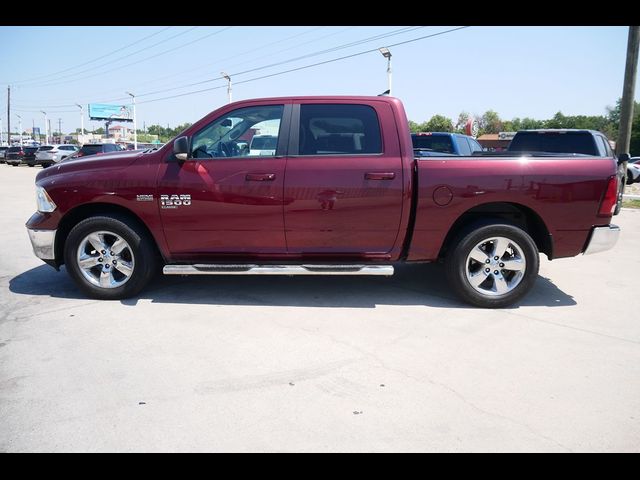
<point>8,115</point>
<point>20,128</point>
<point>46,132</point>
<point>59,130</point>
<point>386,53</point>
<point>81,123</point>
<point>33,129</point>
<point>135,128</point>
<point>50,132</point>
<point>227,77</point>
<point>628,91</point>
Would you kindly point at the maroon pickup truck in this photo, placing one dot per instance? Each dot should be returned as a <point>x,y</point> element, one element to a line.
<point>341,194</point>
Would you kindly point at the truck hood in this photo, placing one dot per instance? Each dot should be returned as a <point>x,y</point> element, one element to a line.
<point>103,162</point>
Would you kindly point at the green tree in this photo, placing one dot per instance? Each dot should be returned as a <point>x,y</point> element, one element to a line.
<point>414,127</point>
<point>530,124</point>
<point>462,121</point>
<point>490,122</point>
<point>439,123</point>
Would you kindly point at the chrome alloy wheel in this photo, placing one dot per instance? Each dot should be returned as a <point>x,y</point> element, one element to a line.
<point>105,259</point>
<point>495,266</point>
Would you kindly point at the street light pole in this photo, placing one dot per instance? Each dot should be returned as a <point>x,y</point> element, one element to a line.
<point>81,122</point>
<point>228,78</point>
<point>20,127</point>
<point>46,131</point>
<point>135,130</point>
<point>386,53</point>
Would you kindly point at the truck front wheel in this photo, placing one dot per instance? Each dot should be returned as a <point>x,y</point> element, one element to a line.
<point>110,258</point>
<point>492,266</point>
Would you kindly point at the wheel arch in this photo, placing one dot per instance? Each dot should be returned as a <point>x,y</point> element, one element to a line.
<point>87,210</point>
<point>514,214</point>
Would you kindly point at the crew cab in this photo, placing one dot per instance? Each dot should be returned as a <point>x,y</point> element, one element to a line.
<point>342,194</point>
<point>427,144</point>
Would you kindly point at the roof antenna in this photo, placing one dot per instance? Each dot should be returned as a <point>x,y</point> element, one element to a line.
<point>386,92</point>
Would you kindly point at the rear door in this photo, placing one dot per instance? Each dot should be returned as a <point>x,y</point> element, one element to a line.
<point>343,180</point>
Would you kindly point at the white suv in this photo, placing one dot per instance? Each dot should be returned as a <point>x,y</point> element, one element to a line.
<point>47,155</point>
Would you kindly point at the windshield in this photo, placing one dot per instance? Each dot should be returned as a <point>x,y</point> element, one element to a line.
<point>554,142</point>
<point>436,143</point>
<point>44,149</point>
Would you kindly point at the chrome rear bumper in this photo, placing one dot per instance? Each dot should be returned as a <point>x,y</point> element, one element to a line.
<point>602,238</point>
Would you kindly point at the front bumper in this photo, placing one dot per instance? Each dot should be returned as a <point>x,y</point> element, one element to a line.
<point>43,243</point>
<point>602,238</point>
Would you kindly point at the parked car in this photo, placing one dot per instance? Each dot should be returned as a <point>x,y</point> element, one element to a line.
<point>584,143</point>
<point>633,170</point>
<point>14,155</point>
<point>29,157</point>
<point>3,152</point>
<point>98,148</point>
<point>343,194</point>
<point>47,155</point>
<point>427,144</point>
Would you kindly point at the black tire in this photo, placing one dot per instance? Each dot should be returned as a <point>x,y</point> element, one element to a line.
<point>142,247</point>
<point>31,164</point>
<point>456,265</point>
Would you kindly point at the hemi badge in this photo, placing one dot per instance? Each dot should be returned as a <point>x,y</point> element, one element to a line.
<point>144,198</point>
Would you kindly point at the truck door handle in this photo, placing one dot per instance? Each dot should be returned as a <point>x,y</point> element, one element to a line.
<point>260,177</point>
<point>379,176</point>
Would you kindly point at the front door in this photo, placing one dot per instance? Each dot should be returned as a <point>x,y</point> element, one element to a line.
<point>343,185</point>
<point>226,198</point>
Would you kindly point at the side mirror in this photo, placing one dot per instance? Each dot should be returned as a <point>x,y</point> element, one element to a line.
<point>181,148</point>
<point>622,158</point>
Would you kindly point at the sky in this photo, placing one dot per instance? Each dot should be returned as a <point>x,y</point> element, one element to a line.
<point>516,71</point>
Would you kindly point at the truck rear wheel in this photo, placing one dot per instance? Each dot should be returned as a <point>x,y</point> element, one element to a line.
<point>492,266</point>
<point>110,258</point>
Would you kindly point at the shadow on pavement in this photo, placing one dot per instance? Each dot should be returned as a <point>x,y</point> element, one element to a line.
<point>411,285</point>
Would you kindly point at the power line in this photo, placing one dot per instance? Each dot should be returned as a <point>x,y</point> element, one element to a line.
<point>60,80</point>
<point>313,54</point>
<point>321,52</point>
<point>219,61</point>
<point>94,60</point>
<point>202,67</point>
<point>305,66</point>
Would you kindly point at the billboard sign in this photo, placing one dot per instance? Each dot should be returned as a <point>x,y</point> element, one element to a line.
<point>103,111</point>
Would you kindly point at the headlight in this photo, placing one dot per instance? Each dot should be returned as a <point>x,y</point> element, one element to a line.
<point>45,204</point>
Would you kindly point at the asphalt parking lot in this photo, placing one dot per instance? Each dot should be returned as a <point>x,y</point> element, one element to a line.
<point>316,364</point>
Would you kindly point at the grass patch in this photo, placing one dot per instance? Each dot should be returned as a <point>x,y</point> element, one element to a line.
<point>631,203</point>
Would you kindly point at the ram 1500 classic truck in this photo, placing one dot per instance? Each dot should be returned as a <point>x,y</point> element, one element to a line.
<point>342,194</point>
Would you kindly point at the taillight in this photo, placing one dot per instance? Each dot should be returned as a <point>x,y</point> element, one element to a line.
<point>608,203</point>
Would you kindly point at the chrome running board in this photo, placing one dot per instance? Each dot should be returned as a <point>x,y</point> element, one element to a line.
<point>246,269</point>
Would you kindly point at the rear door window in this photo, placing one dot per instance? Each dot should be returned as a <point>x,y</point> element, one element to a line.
<point>339,129</point>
